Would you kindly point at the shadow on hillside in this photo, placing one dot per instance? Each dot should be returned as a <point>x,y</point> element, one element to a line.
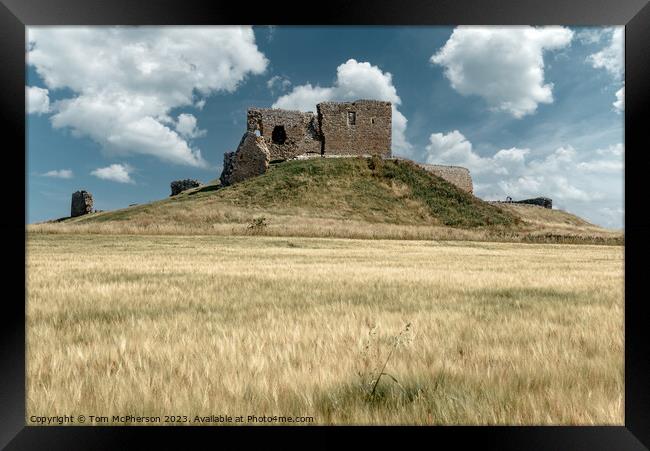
<point>205,189</point>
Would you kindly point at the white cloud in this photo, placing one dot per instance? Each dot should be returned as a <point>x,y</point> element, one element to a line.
<point>278,82</point>
<point>590,35</point>
<point>582,182</point>
<point>59,173</point>
<point>611,58</point>
<point>200,104</point>
<point>453,148</point>
<point>503,65</point>
<point>186,126</point>
<point>38,100</point>
<point>115,172</point>
<point>616,150</point>
<point>619,104</point>
<point>354,80</point>
<point>615,166</point>
<point>126,81</point>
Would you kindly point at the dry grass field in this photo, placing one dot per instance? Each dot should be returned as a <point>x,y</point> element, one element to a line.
<point>500,333</point>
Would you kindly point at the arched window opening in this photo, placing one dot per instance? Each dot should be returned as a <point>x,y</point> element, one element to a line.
<point>279,135</point>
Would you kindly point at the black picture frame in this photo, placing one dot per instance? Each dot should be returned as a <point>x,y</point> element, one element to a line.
<point>15,15</point>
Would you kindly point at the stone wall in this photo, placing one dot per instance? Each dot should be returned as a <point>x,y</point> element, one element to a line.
<point>456,175</point>
<point>362,127</point>
<point>82,203</point>
<point>251,159</point>
<point>178,186</point>
<point>286,133</point>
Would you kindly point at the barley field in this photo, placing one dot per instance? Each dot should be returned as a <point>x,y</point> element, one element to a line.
<point>461,332</point>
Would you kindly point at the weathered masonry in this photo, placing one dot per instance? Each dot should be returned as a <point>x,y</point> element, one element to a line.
<point>82,203</point>
<point>356,128</point>
<point>362,127</point>
<point>456,175</point>
<point>287,134</point>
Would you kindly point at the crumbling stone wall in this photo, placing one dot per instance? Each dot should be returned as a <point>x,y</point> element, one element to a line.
<point>251,159</point>
<point>286,134</point>
<point>456,175</point>
<point>82,203</point>
<point>226,172</point>
<point>362,127</point>
<point>178,186</point>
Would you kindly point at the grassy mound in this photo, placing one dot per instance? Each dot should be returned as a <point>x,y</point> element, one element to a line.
<point>369,190</point>
<point>365,198</point>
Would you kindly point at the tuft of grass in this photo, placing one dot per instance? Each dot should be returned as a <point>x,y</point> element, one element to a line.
<point>373,370</point>
<point>257,225</point>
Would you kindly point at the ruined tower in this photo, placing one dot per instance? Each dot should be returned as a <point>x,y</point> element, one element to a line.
<point>362,127</point>
<point>82,203</point>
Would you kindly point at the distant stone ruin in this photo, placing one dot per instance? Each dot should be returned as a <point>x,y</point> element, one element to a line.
<point>338,129</point>
<point>82,203</point>
<point>540,201</point>
<point>544,202</point>
<point>362,127</point>
<point>251,159</point>
<point>178,186</point>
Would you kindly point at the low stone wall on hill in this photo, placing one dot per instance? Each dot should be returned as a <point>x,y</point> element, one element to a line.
<point>455,175</point>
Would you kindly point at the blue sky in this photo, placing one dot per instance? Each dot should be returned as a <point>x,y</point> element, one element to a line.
<point>123,111</point>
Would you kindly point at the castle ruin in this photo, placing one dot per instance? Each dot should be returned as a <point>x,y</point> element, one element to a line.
<point>362,127</point>
<point>359,128</point>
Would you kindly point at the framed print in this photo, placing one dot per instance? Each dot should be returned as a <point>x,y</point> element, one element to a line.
<point>408,217</point>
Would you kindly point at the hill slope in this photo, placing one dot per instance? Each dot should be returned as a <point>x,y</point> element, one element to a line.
<point>396,192</point>
<point>348,197</point>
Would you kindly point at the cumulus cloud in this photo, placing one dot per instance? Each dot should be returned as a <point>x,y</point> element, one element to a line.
<point>59,173</point>
<point>115,172</point>
<point>610,57</point>
<point>566,174</point>
<point>186,126</point>
<point>454,149</point>
<point>38,100</point>
<point>278,82</point>
<point>354,80</point>
<point>619,104</point>
<point>126,80</point>
<point>503,65</point>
